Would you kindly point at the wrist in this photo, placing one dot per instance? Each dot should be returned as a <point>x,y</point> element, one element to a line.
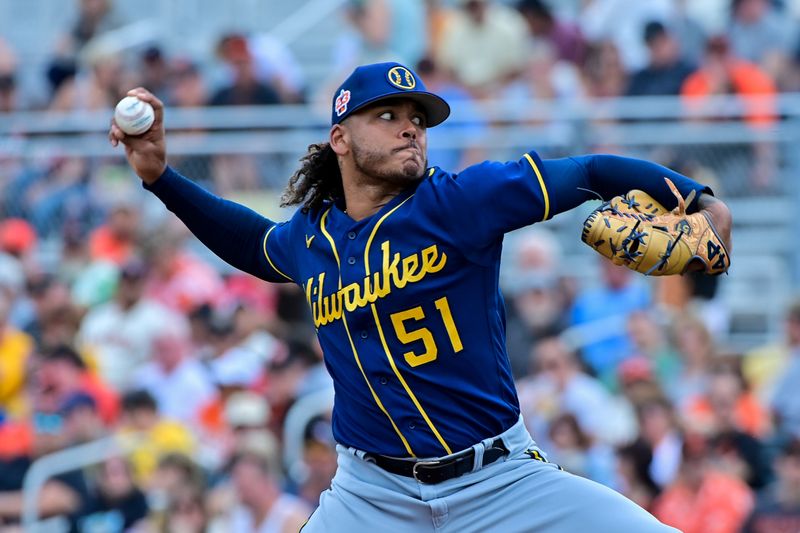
<point>150,179</point>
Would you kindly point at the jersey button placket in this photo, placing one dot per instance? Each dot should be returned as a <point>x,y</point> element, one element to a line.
<point>351,235</point>
<point>351,260</point>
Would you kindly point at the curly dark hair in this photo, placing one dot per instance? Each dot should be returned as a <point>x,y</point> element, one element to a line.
<point>318,179</point>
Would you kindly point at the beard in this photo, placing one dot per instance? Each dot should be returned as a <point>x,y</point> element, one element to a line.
<point>373,163</point>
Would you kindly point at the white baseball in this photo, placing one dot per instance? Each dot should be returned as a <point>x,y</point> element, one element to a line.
<point>134,116</point>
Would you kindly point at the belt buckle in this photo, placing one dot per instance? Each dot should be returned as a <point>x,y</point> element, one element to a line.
<point>424,463</point>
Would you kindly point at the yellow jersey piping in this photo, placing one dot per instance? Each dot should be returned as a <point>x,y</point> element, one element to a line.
<point>383,338</point>
<point>352,344</point>
<point>267,255</point>
<point>541,184</point>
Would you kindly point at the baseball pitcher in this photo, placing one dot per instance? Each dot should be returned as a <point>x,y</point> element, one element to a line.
<point>399,261</point>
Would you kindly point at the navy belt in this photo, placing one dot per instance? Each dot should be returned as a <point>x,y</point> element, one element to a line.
<point>437,470</point>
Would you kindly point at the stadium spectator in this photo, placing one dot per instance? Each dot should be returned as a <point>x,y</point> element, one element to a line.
<point>485,45</point>
<point>319,459</point>
<point>622,22</point>
<point>276,65</point>
<point>148,437</point>
<point>766,366</point>
<point>291,375</point>
<point>658,424</point>
<point>688,30</point>
<point>466,122</point>
<point>381,30</point>
<point>116,241</point>
<point>578,453</point>
<point>262,505</point>
<point>702,499</point>
<point>99,83</point>
<point>177,278</point>
<point>649,340</point>
<point>154,70</point>
<point>15,348</point>
<point>119,334</point>
<point>665,71</point>
<point>547,78</point>
<point>178,381</point>
<point>633,473</point>
<point>176,476</point>
<point>9,96</point>
<point>560,386</point>
<point>244,87</point>
<point>60,373</point>
<point>778,507</point>
<point>723,73</point>
<point>603,72</point>
<point>186,513</point>
<point>232,365</point>
<point>564,37</point>
<point>114,503</point>
<point>762,35</point>
<point>784,400</point>
<point>187,87</point>
<point>620,295</point>
<point>536,304</point>
<point>727,405</point>
<point>697,351</point>
<point>743,456</point>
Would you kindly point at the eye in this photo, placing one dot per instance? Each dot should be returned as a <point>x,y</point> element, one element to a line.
<point>418,120</point>
<point>386,115</point>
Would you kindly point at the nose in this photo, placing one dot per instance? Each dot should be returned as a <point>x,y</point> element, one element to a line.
<point>410,130</point>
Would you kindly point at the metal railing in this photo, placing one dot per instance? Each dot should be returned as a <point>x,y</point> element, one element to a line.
<point>716,137</point>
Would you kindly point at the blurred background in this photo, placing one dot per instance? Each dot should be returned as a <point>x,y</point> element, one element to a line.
<point>147,386</point>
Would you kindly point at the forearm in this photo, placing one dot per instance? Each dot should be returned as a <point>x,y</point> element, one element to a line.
<point>54,499</point>
<point>228,229</point>
<point>577,179</point>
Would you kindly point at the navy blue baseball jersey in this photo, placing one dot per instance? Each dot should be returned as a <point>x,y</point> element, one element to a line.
<point>406,302</point>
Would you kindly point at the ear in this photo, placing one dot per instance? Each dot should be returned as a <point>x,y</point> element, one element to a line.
<point>340,139</point>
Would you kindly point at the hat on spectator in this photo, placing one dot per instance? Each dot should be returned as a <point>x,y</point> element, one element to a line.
<point>372,83</point>
<point>246,409</point>
<point>635,369</point>
<point>134,268</point>
<point>16,236</point>
<point>234,48</point>
<point>319,430</point>
<point>75,401</point>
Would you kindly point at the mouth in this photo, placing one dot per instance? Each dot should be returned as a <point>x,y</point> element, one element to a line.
<point>412,149</point>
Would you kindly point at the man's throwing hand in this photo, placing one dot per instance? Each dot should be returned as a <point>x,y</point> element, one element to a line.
<point>146,153</point>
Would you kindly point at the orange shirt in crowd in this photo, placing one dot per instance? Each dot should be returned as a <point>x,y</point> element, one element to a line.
<point>751,417</point>
<point>104,245</point>
<point>721,505</point>
<point>105,397</point>
<point>748,81</point>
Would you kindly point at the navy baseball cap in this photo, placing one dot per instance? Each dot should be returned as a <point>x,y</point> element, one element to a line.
<point>371,83</point>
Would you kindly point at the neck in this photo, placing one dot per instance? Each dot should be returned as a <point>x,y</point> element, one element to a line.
<point>261,508</point>
<point>365,197</point>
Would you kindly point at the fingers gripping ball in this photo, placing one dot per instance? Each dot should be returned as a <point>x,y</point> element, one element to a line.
<point>637,232</point>
<point>134,116</point>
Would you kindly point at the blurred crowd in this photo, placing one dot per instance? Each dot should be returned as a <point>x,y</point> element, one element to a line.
<point>209,384</point>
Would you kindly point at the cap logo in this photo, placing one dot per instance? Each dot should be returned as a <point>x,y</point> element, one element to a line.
<point>341,102</point>
<point>401,78</point>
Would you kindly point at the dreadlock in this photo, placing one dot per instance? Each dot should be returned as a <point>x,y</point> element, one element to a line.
<point>317,180</point>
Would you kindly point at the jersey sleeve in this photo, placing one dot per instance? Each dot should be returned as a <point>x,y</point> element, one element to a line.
<point>276,248</point>
<point>238,235</point>
<point>493,198</point>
